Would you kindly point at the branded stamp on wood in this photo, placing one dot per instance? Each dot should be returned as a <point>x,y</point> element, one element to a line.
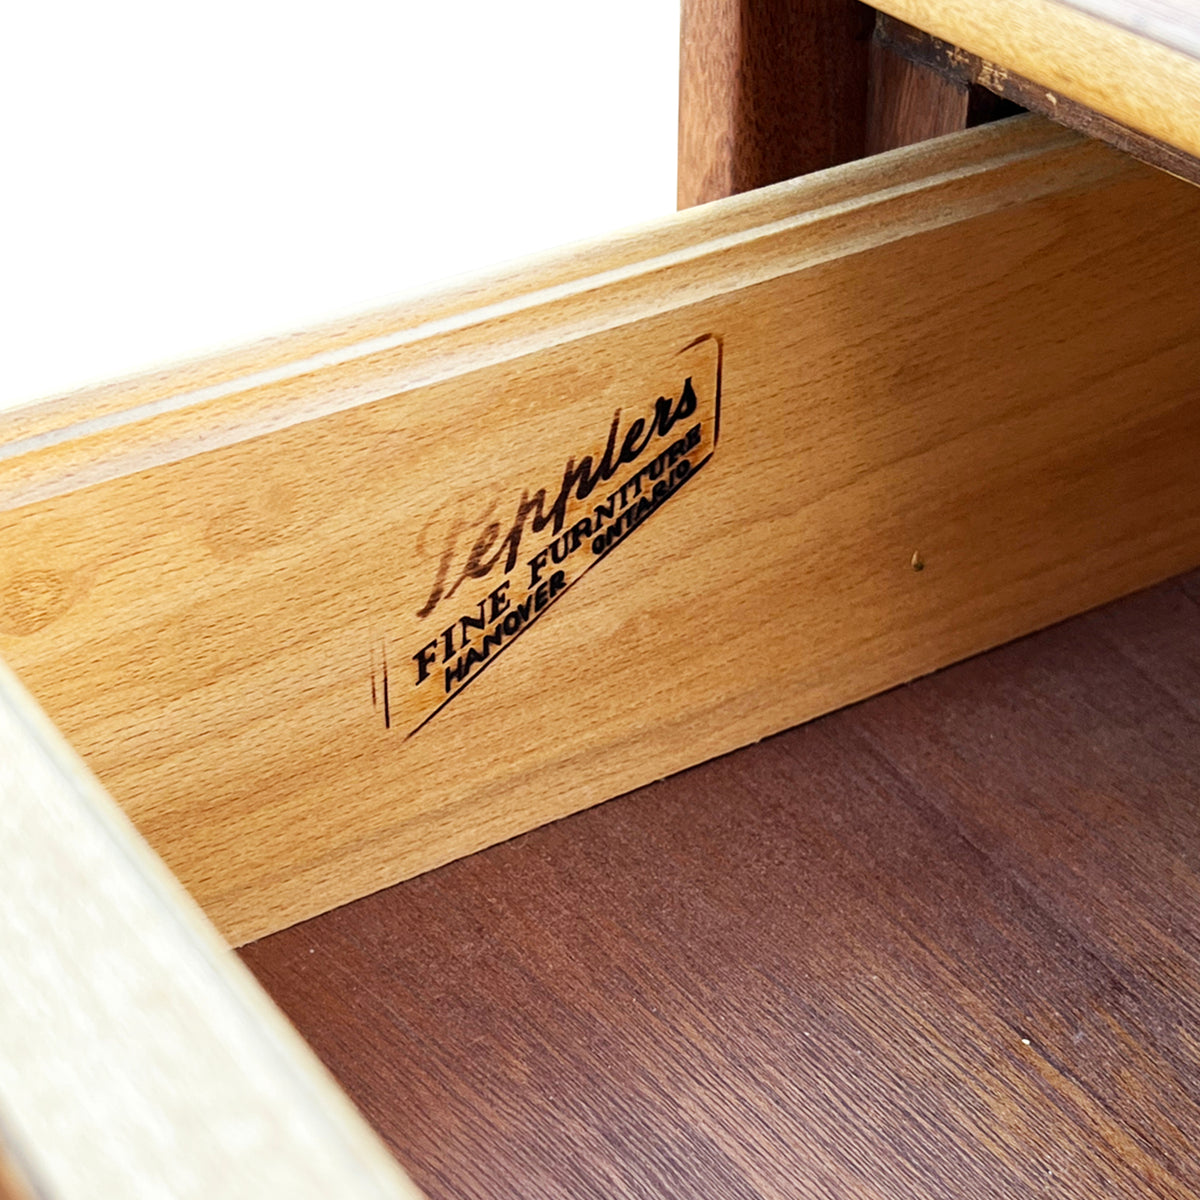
<point>515,570</point>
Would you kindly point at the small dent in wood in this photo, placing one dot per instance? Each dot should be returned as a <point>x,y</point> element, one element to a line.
<point>918,563</point>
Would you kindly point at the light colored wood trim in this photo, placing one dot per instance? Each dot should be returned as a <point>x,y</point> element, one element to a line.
<point>232,619</point>
<point>1175,23</point>
<point>1145,84</point>
<point>138,1058</point>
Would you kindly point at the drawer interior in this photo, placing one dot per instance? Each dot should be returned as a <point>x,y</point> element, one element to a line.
<point>333,612</point>
<point>851,430</point>
<point>942,943</point>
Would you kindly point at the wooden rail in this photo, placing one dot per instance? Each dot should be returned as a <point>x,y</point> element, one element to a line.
<point>1149,83</point>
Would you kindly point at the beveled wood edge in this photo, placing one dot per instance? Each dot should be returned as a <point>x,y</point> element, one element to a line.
<point>89,437</point>
<point>138,1057</point>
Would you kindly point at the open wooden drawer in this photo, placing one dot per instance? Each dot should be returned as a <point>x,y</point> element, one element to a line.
<point>331,612</point>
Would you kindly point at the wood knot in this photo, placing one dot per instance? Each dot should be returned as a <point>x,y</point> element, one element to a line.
<point>31,600</point>
<point>249,525</point>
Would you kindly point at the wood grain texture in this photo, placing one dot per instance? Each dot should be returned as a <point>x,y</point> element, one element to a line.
<point>915,75</point>
<point>227,598</point>
<point>945,943</point>
<point>910,101</point>
<point>138,1058</point>
<point>768,90</point>
<point>1148,85</point>
<point>1175,23</point>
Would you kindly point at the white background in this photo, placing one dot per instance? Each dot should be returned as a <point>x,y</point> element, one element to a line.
<point>181,177</point>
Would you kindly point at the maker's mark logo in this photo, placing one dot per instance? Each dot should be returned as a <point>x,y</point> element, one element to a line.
<point>650,450</point>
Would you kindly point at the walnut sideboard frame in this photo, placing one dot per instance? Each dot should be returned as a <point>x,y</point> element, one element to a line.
<point>338,609</point>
